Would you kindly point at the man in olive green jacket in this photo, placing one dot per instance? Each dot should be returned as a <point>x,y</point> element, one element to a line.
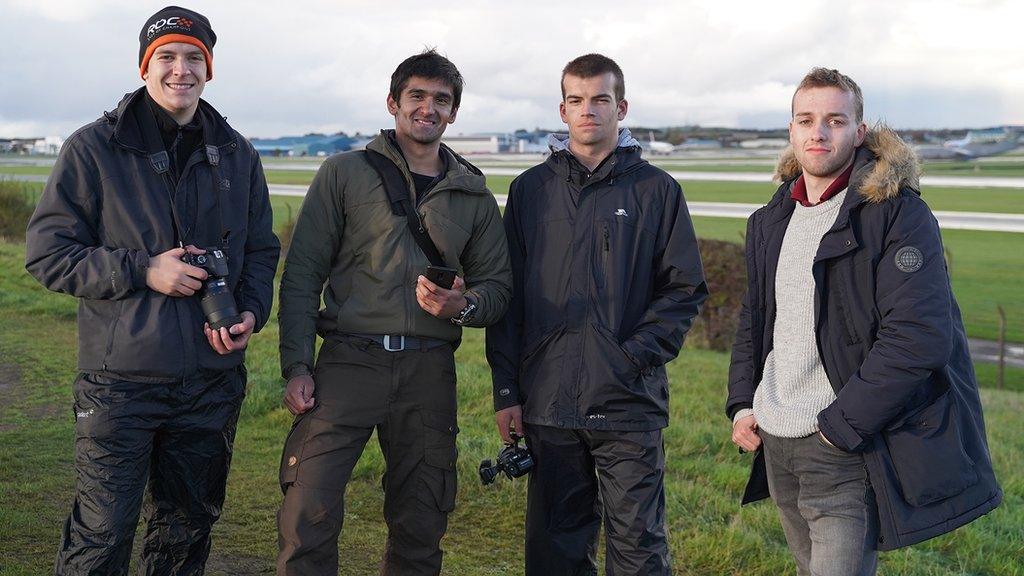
<point>389,333</point>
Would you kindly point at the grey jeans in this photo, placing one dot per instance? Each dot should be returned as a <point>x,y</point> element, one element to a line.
<point>826,504</point>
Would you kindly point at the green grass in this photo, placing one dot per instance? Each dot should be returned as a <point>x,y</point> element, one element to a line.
<point>710,533</point>
<point>26,170</point>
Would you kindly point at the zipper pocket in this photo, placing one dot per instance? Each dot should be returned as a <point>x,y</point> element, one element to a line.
<point>606,248</point>
<point>113,331</point>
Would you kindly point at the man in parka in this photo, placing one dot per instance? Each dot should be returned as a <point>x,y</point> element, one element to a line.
<point>389,333</point>
<point>159,391</point>
<point>850,374</point>
<point>607,282</point>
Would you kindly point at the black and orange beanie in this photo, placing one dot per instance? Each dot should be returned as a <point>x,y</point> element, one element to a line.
<point>175,24</point>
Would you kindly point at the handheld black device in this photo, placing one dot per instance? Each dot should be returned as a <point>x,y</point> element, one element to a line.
<point>442,276</point>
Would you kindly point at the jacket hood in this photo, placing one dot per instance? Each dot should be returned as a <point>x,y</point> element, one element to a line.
<point>625,158</point>
<point>216,131</point>
<point>560,142</point>
<point>461,174</point>
<point>884,164</point>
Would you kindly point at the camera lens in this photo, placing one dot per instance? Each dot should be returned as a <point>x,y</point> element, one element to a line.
<point>219,305</point>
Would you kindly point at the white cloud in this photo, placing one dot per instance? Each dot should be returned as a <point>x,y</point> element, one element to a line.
<point>326,65</point>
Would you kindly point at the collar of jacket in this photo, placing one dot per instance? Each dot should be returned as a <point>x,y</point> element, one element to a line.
<point>127,133</point>
<point>626,158</point>
<point>461,175</point>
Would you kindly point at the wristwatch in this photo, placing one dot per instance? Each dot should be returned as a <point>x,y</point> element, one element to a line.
<point>466,314</point>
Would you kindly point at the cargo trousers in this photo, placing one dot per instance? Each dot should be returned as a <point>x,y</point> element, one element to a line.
<point>176,437</point>
<point>409,398</point>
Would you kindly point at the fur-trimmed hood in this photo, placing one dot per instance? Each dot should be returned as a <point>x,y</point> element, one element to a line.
<point>884,164</point>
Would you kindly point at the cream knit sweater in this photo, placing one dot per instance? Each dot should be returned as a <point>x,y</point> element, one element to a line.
<point>794,387</point>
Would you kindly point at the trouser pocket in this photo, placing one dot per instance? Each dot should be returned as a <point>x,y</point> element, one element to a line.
<point>440,455</point>
<point>294,444</point>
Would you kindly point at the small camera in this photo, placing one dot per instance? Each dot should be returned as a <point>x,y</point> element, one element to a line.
<point>215,297</point>
<point>513,460</point>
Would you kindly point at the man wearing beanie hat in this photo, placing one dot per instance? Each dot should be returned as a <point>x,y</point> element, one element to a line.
<point>161,178</point>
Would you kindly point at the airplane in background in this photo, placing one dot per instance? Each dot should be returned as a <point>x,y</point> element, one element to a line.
<point>976,144</point>
<point>656,147</point>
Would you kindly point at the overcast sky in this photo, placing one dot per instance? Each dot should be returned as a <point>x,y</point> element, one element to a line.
<point>304,66</point>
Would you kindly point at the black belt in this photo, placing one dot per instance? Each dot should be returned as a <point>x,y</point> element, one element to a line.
<point>398,343</point>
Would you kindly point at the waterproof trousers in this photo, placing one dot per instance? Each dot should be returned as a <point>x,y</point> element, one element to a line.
<point>177,437</point>
<point>582,477</point>
<point>409,398</point>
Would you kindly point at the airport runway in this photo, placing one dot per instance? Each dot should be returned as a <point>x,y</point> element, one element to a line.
<point>764,177</point>
<point>952,220</point>
<point>988,351</point>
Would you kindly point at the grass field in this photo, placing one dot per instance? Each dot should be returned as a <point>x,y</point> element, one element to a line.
<point>25,170</point>
<point>710,533</point>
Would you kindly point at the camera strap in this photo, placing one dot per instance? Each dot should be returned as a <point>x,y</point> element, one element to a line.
<point>161,163</point>
<point>401,205</point>
<point>213,157</point>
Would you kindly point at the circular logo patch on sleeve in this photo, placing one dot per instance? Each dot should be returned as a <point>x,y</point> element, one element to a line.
<point>909,259</point>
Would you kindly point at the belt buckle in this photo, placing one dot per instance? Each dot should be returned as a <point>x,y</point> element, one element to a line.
<point>387,343</point>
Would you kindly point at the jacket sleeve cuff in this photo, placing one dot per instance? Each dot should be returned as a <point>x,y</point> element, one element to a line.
<point>505,396</point>
<point>296,369</point>
<point>836,430</point>
<point>256,314</point>
<point>140,266</point>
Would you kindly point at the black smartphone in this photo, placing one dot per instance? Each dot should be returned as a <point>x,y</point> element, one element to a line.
<point>442,276</point>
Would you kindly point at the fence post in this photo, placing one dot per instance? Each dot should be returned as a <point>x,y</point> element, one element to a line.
<point>1002,346</point>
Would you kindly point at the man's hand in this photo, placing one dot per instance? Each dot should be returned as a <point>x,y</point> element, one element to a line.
<point>439,302</point>
<point>744,434</point>
<point>827,441</point>
<point>167,274</point>
<point>298,394</point>
<point>510,418</point>
<point>227,340</point>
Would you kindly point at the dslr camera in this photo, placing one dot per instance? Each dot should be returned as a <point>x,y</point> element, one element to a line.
<point>513,460</point>
<point>215,297</point>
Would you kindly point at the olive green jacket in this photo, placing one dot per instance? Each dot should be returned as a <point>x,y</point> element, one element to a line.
<point>349,248</point>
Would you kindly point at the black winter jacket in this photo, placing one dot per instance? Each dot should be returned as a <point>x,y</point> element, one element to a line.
<point>607,280</point>
<point>105,210</point>
<point>892,342</point>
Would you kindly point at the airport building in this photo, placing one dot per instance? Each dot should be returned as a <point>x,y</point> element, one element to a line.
<point>481,143</point>
<point>308,145</point>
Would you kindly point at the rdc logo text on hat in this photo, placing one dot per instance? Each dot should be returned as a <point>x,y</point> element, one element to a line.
<point>178,21</point>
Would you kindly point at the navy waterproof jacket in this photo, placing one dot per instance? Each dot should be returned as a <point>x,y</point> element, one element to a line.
<point>892,342</point>
<point>607,280</point>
